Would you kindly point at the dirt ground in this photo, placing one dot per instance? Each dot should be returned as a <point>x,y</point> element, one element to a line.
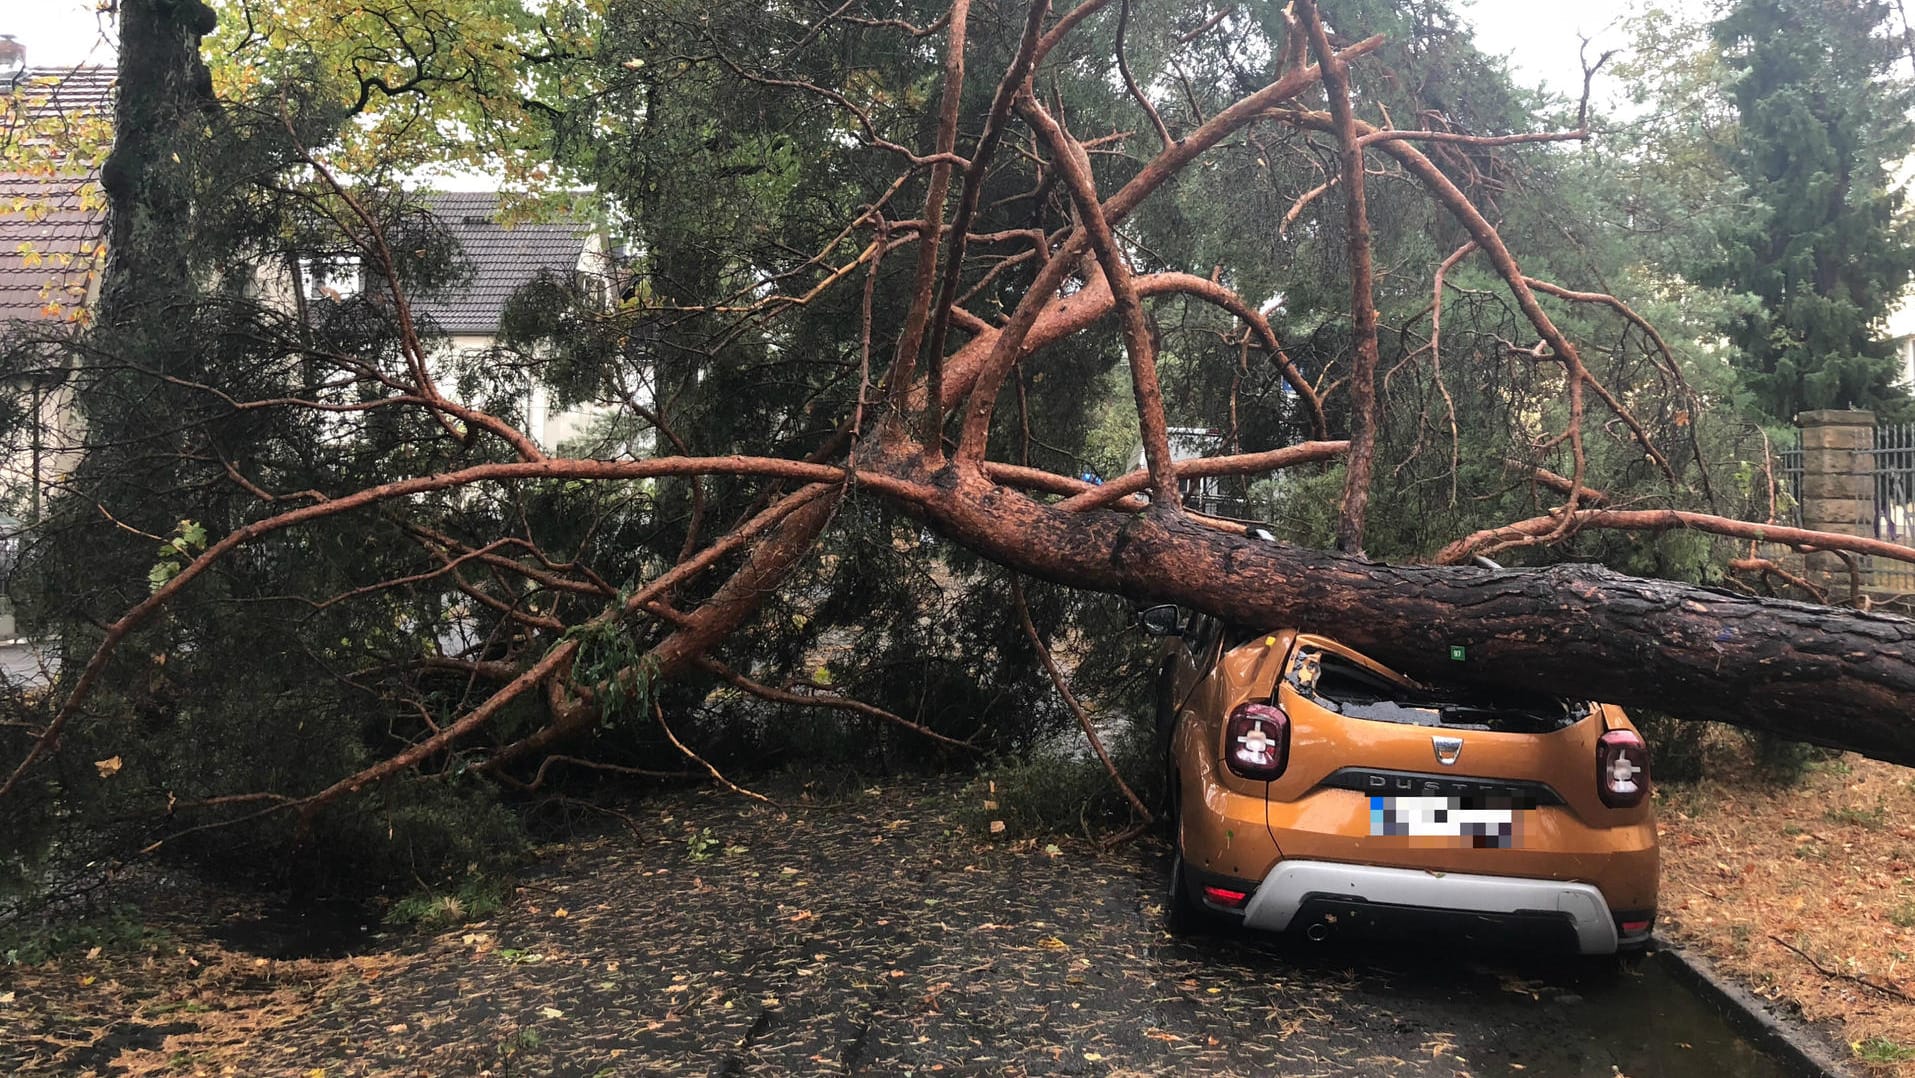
<point>1807,894</point>
<point>866,934</point>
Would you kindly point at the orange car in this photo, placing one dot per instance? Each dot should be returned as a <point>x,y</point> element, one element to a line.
<point>1311,788</point>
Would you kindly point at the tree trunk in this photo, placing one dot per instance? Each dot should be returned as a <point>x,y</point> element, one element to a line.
<point>1804,672</point>
<point>162,84</point>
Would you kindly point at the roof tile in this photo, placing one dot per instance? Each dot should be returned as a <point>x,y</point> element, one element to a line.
<point>503,259</point>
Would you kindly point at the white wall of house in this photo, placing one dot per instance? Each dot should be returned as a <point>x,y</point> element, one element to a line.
<point>1900,328</point>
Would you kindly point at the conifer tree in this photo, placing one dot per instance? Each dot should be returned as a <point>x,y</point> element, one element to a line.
<point>1824,245</point>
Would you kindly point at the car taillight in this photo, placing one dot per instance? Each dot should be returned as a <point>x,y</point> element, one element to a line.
<point>1257,741</point>
<point>1622,768</point>
<point>1225,896</point>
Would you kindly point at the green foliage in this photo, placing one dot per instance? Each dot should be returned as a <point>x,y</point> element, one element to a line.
<point>434,86</point>
<point>1882,1051</point>
<point>477,897</point>
<point>1826,249</point>
<point>1063,788</point>
<point>30,942</point>
<point>1872,819</point>
<point>188,541</point>
<point>1679,750</point>
<point>1780,761</point>
<point>442,836</point>
<point>613,662</point>
<point>700,844</point>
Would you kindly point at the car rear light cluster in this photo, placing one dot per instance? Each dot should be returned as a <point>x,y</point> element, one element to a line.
<point>1622,768</point>
<point>1257,741</point>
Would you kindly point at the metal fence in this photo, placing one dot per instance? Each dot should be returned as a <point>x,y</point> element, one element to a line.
<point>1894,505</point>
<point>1788,479</point>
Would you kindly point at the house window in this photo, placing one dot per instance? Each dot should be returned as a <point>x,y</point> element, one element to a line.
<point>333,277</point>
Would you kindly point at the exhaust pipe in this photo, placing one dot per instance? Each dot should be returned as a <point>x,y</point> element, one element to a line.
<point>1318,932</point>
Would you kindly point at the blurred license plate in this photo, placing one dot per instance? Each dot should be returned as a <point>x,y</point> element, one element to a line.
<point>1493,825</point>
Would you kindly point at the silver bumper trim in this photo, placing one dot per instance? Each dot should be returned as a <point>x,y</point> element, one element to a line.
<point>1284,890</point>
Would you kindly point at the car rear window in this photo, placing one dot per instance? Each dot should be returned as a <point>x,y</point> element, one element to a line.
<point>1345,687</point>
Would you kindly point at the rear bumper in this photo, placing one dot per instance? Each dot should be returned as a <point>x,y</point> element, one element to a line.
<point>1290,884</point>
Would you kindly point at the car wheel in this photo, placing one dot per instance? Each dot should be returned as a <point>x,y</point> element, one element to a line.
<point>1182,915</point>
<point>1636,947</point>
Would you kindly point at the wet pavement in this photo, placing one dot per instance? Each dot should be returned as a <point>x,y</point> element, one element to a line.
<point>873,935</point>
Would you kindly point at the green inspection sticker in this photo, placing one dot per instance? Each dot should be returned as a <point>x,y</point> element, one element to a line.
<point>1456,653</point>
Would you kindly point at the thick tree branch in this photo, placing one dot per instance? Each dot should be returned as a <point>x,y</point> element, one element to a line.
<point>1664,520</point>
<point>1353,508</point>
<point>1139,343</point>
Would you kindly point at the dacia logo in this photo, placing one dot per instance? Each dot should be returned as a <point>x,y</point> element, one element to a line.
<point>1447,749</point>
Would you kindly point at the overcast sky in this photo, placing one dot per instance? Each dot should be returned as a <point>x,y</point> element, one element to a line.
<point>1539,35</point>
<point>57,33</point>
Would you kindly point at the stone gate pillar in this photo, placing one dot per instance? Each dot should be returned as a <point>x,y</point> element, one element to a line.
<point>1838,482</point>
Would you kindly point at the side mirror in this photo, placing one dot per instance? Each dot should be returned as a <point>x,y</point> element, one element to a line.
<point>1160,620</point>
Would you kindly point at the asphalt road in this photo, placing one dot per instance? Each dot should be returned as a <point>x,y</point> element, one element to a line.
<point>869,935</point>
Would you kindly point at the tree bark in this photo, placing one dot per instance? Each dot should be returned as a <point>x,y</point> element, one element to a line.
<point>1353,510</point>
<point>161,79</point>
<point>1810,673</point>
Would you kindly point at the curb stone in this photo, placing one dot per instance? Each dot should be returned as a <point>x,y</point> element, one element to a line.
<point>1802,1045</point>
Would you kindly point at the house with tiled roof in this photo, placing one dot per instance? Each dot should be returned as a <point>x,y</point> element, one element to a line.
<point>504,257</point>
<point>500,256</point>
<point>55,129</point>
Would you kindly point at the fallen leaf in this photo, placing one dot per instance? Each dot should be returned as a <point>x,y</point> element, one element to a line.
<point>801,915</point>
<point>107,767</point>
<point>551,1012</point>
<point>997,827</point>
<point>1052,943</point>
<point>92,954</point>
<point>6,997</point>
<point>561,912</point>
